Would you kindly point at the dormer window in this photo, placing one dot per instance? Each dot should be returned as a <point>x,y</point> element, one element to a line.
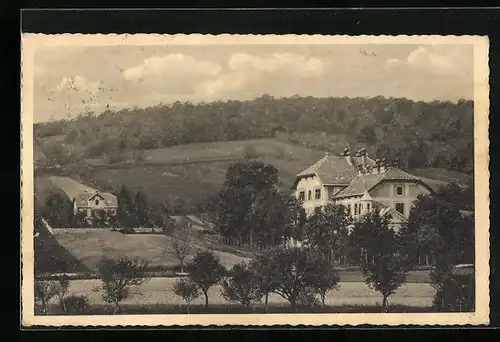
<point>97,201</point>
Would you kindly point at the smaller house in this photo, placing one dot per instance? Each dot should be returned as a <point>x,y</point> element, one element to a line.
<point>91,202</point>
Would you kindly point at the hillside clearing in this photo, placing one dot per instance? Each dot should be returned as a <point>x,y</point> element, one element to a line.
<point>196,171</point>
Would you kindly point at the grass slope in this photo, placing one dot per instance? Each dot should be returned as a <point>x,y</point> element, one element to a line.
<point>51,257</point>
<point>90,246</point>
<point>192,172</point>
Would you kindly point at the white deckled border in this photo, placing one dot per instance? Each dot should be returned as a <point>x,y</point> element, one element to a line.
<point>31,42</point>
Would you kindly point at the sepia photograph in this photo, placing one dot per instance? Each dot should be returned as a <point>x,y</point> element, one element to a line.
<point>234,179</point>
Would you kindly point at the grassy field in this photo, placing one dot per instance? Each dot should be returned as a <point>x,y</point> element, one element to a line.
<point>158,291</point>
<point>221,309</point>
<point>90,246</point>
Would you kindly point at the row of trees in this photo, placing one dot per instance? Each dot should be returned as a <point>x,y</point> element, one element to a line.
<point>437,134</point>
<point>251,209</point>
<point>300,274</point>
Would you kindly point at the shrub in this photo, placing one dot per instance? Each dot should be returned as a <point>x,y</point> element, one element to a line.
<point>77,304</point>
<point>456,294</point>
<point>308,300</point>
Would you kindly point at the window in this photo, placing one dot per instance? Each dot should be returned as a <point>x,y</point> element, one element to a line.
<point>302,196</point>
<point>399,190</point>
<point>360,208</point>
<point>317,194</point>
<point>309,195</point>
<point>96,202</point>
<point>355,209</point>
<point>349,209</point>
<point>367,207</point>
<point>400,208</point>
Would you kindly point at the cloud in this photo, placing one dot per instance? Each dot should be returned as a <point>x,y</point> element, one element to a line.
<point>78,84</point>
<point>241,75</point>
<point>249,75</point>
<point>174,65</point>
<point>392,62</point>
<point>437,59</point>
<point>278,62</point>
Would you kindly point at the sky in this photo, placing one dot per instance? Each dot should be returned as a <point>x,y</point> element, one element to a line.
<point>69,81</point>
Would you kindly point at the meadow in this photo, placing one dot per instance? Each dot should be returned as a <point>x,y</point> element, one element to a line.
<point>89,247</point>
<point>158,291</point>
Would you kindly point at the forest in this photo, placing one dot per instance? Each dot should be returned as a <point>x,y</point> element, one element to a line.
<point>420,134</point>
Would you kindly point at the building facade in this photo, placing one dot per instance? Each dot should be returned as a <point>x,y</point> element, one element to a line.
<point>361,185</point>
<point>94,206</point>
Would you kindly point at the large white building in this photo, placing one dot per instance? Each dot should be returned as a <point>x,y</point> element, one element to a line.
<point>361,184</point>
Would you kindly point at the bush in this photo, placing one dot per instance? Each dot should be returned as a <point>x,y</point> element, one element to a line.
<point>77,304</point>
<point>456,294</point>
<point>308,301</point>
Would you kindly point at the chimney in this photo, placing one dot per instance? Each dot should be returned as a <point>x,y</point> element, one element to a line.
<point>362,152</point>
<point>383,165</point>
<point>377,169</point>
<point>360,170</point>
<point>396,163</point>
<point>347,155</point>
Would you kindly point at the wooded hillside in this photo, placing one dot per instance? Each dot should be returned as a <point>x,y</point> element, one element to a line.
<point>437,134</point>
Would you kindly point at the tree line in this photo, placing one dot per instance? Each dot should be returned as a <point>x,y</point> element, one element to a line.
<point>420,134</point>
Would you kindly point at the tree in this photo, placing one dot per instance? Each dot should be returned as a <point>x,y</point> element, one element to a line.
<point>325,227</point>
<point>56,210</point>
<point>326,279</point>
<point>241,286</point>
<point>141,209</point>
<point>263,271</point>
<point>292,273</point>
<point>205,271</point>
<point>383,263</point>
<point>44,292</point>
<point>62,288</point>
<point>186,289</point>
<point>274,215</point>
<point>180,243</point>
<point>231,207</point>
<point>126,214</point>
<point>436,226</point>
<point>118,276</point>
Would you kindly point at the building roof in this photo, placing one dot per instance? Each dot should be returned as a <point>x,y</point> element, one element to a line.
<point>334,169</point>
<point>384,209</point>
<point>365,182</point>
<point>80,192</point>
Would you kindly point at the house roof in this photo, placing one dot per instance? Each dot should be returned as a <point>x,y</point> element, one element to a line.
<point>334,169</point>
<point>388,210</point>
<point>80,192</point>
<point>362,183</point>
